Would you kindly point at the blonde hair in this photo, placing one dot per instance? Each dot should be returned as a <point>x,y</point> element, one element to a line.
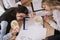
<point>52,3</point>
<point>27,3</point>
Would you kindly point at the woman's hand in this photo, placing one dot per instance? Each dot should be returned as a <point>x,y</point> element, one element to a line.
<point>32,14</point>
<point>13,32</point>
<point>47,18</point>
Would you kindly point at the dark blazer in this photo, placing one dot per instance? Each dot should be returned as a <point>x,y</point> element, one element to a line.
<point>8,16</point>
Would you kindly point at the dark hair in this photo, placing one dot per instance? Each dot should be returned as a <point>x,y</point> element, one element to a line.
<point>19,9</point>
<point>22,9</point>
<point>10,14</point>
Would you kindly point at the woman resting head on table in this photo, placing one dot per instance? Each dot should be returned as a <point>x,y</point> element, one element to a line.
<point>21,13</point>
<point>54,6</point>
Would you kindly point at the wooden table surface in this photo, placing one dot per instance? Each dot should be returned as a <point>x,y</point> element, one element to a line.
<point>50,30</point>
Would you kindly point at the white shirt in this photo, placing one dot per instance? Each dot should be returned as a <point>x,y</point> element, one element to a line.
<point>56,16</point>
<point>1,10</point>
<point>10,3</point>
<point>29,9</point>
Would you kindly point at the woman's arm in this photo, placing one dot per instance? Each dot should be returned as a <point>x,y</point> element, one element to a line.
<point>6,37</point>
<point>51,22</point>
<point>10,35</point>
<point>3,27</point>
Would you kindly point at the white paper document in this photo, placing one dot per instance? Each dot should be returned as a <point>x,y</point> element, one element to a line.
<point>34,33</point>
<point>37,4</point>
<point>34,30</point>
<point>1,10</point>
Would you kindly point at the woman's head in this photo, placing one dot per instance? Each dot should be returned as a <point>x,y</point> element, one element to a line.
<point>26,2</point>
<point>21,12</point>
<point>50,4</point>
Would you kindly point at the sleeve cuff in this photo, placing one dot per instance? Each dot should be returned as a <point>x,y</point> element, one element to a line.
<point>51,22</point>
<point>6,37</point>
